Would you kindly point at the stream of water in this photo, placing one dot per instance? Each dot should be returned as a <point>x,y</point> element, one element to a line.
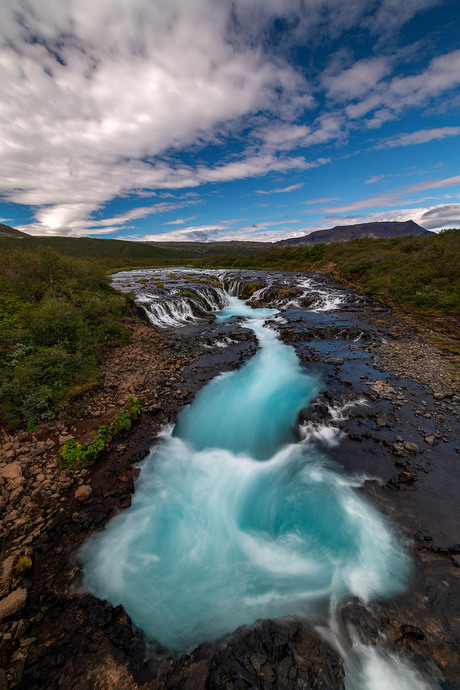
<point>232,521</point>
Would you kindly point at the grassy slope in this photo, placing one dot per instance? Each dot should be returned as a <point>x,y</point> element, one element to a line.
<point>115,254</point>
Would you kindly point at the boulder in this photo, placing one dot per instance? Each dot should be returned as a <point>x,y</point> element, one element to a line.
<point>411,447</point>
<point>13,603</point>
<point>83,493</point>
<point>11,471</point>
<point>7,572</point>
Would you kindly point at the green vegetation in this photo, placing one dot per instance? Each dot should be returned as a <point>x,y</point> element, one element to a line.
<point>22,566</point>
<point>56,313</point>
<point>77,455</point>
<point>420,273</point>
<point>117,254</point>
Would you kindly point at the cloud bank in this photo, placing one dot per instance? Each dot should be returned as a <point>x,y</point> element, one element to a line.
<point>112,99</point>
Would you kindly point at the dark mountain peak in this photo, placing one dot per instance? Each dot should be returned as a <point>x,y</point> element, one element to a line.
<point>345,233</point>
<point>7,231</point>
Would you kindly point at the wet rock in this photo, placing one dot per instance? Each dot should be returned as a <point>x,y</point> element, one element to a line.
<point>13,603</point>
<point>273,654</point>
<point>412,631</point>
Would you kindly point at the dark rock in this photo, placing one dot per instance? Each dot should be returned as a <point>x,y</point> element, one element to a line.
<point>412,631</point>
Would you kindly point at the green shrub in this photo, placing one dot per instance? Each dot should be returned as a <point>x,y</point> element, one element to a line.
<point>75,454</point>
<point>22,566</point>
<point>55,314</point>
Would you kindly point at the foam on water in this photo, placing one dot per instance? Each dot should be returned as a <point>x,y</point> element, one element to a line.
<point>231,521</point>
<point>371,668</point>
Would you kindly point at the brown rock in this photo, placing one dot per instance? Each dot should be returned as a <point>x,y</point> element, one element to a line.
<point>411,447</point>
<point>7,572</point>
<point>83,493</point>
<point>13,603</point>
<point>11,471</point>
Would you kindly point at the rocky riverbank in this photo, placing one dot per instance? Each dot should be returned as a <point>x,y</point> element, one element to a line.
<point>54,635</point>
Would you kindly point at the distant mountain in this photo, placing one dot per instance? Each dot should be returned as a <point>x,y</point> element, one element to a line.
<point>345,233</point>
<point>6,231</point>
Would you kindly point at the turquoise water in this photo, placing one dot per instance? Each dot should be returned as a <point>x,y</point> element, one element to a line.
<point>231,521</point>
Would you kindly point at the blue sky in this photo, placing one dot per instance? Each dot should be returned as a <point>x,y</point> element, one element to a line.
<point>231,119</point>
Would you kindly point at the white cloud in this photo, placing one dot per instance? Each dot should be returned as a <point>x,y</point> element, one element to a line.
<point>95,93</point>
<point>179,221</point>
<point>392,197</point>
<point>422,136</point>
<point>389,97</point>
<point>280,190</point>
<point>358,80</point>
<point>99,98</point>
<point>321,200</point>
<point>374,178</point>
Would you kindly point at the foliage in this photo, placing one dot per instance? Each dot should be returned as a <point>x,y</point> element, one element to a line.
<point>55,315</point>
<point>75,454</point>
<point>22,566</point>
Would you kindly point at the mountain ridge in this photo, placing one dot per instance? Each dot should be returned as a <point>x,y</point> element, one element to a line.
<point>8,231</point>
<point>345,233</point>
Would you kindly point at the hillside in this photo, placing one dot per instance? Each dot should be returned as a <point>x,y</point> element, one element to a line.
<point>208,248</point>
<point>345,233</point>
<point>123,254</point>
<point>7,231</point>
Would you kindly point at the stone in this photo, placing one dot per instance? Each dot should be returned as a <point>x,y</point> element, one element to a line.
<point>412,631</point>
<point>7,571</point>
<point>83,493</point>
<point>11,471</point>
<point>411,447</point>
<point>13,603</point>
<point>398,448</point>
<point>429,440</point>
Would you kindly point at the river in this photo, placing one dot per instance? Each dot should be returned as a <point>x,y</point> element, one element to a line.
<point>239,514</point>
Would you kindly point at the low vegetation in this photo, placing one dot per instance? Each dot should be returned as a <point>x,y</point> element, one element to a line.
<point>78,455</point>
<point>56,314</point>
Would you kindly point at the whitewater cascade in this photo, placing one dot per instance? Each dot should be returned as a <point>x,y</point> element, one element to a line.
<point>231,521</point>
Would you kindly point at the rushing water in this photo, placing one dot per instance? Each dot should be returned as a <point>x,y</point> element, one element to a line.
<point>231,521</point>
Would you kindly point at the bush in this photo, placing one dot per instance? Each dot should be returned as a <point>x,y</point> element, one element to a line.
<point>75,454</point>
<point>55,314</point>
